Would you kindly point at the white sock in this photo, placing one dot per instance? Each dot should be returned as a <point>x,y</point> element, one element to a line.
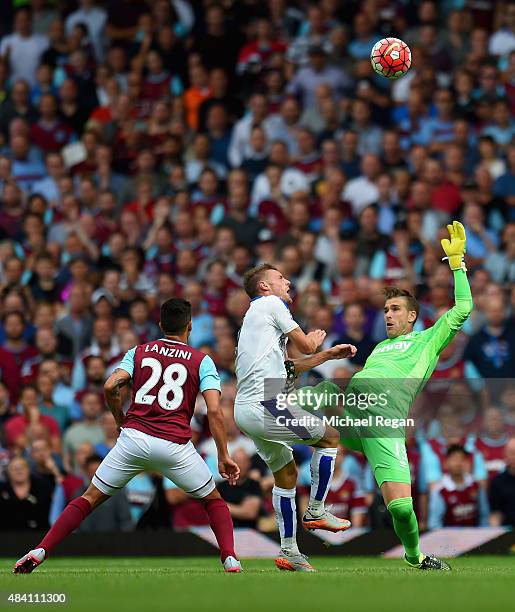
<point>322,468</point>
<point>286,513</point>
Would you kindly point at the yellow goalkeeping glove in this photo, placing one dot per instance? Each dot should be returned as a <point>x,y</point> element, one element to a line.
<point>455,248</point>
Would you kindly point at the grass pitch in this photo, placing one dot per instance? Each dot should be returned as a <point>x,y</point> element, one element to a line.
<point>350,584</point>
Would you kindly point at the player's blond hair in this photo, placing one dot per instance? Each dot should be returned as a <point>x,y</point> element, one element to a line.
<point>252,278</point>
<point>394,292</point>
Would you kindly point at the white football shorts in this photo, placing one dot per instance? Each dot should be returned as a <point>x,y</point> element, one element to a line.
<point>275,430</point>
<point>136,452</point>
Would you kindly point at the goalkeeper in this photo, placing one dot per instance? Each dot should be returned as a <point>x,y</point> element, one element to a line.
<point>400,366</point>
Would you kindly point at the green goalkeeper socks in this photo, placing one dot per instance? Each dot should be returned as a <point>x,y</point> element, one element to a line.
<point>406,526</point>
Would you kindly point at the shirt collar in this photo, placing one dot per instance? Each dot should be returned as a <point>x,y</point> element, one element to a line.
<point>261,296</point>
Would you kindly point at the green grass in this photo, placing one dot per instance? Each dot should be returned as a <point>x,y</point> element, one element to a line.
<point>350,584</point>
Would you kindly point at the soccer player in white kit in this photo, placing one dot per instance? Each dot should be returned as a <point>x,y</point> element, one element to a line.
<point>261,355</point>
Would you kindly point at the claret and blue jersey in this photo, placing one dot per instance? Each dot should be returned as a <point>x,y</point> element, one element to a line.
<point>167,376</point>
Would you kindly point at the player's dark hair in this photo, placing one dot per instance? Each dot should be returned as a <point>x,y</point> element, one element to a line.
<point>252,277</point>
<point>394,292</point>
<point>175,316</point>
<point>456,448</point>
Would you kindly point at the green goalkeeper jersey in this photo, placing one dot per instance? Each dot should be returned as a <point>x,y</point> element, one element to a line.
<point>399,367</point>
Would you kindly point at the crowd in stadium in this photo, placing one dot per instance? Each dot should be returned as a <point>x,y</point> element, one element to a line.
<point>151,149</point>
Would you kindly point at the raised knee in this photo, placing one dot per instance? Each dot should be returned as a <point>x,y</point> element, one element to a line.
<point>401,509</point>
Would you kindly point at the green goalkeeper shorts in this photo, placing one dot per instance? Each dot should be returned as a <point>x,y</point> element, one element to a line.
<point>387,457</point>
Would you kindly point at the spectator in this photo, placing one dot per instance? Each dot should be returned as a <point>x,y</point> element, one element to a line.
<point>491,349</point>
<point>314,34</point>
<point>354,319</point>
<point>457,500</point>
<point>240,140</point>
<point>20,428</point>
<point>47,405</point>
<point>141,325</point>
<point>437,131</point>
<point>88,430</point>
<point>14,351</point>
<point>480,240</point>
<point>502,41</point>
<point>370,239</point>
<point>50,133</point>
<point>95,18</point>
<point>359,47</point>
<point>16,106</point>
<point>27,168</point>
<point>202,321</point>
<point>318,72</point>
<point>492,440</point>
<point>362,190</point>
<point>23,49</point>
<point>43,283</point>
<point>48,186</point>
<point>504,185</point>
<point>256,55</point>
<point>218,45</point>
<point>24,499</point>
<point>445,196</point>
<point>370,136</point>
<point>501,264</point>
<point>76,326</point>
<point>502,128</point>
<point>246,229</point>
<point>245,498</point>
<point>63,394</point>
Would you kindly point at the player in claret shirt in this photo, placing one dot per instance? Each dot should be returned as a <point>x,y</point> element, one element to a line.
<point>166,375</point>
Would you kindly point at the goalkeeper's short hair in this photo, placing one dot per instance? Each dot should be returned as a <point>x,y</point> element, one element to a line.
<point>394,292</point>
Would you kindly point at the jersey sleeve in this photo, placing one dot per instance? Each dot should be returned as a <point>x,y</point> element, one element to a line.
<point>209,377</point>
<point>447,326</point>
<point>127,363</point>
<point>282,316</point>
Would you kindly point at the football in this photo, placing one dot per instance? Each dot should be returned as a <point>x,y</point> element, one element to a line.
<point>391,57</point>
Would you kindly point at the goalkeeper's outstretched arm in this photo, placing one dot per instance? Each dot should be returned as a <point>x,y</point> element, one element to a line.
<point>462,299</point>
<point>455,249</point>
<point>447,326</point>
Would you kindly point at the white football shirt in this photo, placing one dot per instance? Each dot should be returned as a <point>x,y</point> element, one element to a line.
<point>262,346</point>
